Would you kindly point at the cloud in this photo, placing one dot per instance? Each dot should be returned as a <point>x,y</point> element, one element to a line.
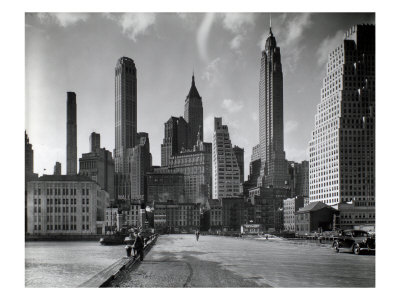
<point>211,73</point>
<point>236,42</point>
<point>291,126</point>
<point>232,106</point>
<point>63,19</point>
<point>327,45</point>
<point>202,35</point>
<point>238,24</point>
<point>133,24</point>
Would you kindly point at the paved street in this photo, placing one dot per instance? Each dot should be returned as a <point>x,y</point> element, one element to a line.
<point>180,261</point>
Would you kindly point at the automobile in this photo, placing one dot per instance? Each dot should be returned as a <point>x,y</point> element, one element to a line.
<point>354,241</point>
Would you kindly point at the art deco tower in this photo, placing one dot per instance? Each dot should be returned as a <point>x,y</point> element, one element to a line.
<point>125,112</point>
<point>194,114</point>
<point>273,164</point>
<point>71,134</point>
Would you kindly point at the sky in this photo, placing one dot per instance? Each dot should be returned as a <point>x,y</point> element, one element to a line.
<point>78,52</point>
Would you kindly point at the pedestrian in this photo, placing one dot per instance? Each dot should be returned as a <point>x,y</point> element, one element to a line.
<point>197,235</point>
<point>128,249</point>
<point>138,245</point>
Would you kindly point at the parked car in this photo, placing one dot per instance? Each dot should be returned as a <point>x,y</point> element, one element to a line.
<point>355,241</point>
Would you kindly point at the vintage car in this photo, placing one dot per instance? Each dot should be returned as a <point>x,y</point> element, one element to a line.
<point>355,241</point>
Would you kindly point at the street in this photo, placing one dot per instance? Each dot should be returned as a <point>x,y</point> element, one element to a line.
<point>213,261</point>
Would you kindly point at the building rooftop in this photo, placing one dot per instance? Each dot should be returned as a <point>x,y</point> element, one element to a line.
<point>314,207</point>
<point>64,178</point>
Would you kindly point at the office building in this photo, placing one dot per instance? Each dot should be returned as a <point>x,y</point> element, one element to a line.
<point>175,140</point>
<point>57,168</point>
<point>273,171</point>
<point>98,165</point>
<point>165,186</point>
<point>140,163</point>
<point>239,154</point>
<point>67,205</point>
<point>298,178</point>
<point>194,115</point>
<point>125,112</point>
<point>342,147</point>
<point>94,141</point>
<point>290,206</point>
<point>225,168</point>
<point>71,134</point>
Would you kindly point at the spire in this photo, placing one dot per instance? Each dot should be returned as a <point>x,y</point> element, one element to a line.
<point>193,93</point>
<point>270,25</point>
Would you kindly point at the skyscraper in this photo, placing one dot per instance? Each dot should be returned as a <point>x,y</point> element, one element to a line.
<point>140,161</point>
<point>342,146</point>
<point>94,141</point>
<point>194,114</point>
<point>71,134</point>
<point>175,139</point>
<point>273,164</point>
<point>57,168</point>
<point>226,172</point>
<point>125,111</point>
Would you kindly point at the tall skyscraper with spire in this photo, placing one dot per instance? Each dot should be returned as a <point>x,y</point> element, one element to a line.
<point>273,170</point>
<point>194,114</point>
<point>125,112</point>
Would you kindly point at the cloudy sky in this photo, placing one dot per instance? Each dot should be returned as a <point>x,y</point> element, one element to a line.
<point>78,52</point>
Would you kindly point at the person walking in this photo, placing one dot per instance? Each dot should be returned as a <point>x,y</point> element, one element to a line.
<point>138,245</point>
<point>197,235</point>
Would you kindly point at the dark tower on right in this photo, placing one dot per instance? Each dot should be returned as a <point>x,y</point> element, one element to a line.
<point>273,163</point>
<point>194,115</point>
<point>71,134</point>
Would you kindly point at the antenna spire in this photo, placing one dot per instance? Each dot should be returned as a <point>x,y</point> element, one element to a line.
<point>270,24</point>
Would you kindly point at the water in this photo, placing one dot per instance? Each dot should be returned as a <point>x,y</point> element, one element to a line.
<point>66,264</point>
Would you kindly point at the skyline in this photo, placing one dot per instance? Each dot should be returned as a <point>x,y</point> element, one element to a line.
<point>226,91</point>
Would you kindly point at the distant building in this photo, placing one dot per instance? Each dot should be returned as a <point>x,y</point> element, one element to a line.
<point>163,187</point>
<point>125,112</point>
<point>71,134</point>
<point>273,171</point>
<point>239,154</point>
<point>57,168</point>
<point>196,166</point>
<point>66,204</point>
<point>315,217</point>
<point>176,217</point>
<point>175,139</point>
<point>98,165</point>
<point>353,215</point>
<point>29,175</point>
<point>268,206</point>
<point>194,115</point>
<point>255,166</point>
<point>226,171</point>
<point>234,213</point>
<point>342,148</point>
<point>94,141</point>
<point>298,182</point>
<point>290,206</point>
<point>140,163</point>
<point>214,215</point>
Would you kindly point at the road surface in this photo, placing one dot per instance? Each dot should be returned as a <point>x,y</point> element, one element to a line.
<point>213,261</point>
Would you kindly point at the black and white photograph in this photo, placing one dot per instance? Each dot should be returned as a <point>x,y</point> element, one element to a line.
<point>200,149</point>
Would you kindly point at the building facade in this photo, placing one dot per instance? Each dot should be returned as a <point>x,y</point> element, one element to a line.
<point>299,178</point>
<point>239,154</point>
<point>140,163</point>
<point>315,217</point>
<point>176,132</point>
<point>165,186</point>
<point>57,168</point>
<point>273,171</point>
<point>290,206</point>
<point>98,165</point>
<point>225,168</point>
<point>342,147</point>
<point>176,217</point>
<point>71,134</point>
<point>66,204</point>
<point>94,141</point>
<point>125,112</point>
